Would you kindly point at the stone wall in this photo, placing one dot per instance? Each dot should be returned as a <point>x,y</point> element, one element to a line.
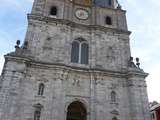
<point>64,85</point>
<point>45,57</point>
<point>52,42</point>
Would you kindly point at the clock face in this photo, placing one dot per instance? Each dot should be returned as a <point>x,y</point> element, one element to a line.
<point>82,14</point>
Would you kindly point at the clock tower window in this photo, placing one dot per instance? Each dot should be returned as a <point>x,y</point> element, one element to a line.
<point>108,20</point>
<point>53,11</point>
<point>109,2</point>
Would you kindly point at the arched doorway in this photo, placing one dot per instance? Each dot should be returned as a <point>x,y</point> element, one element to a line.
<point>76,111</point>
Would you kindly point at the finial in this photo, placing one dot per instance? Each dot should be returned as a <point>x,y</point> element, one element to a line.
<point>119,6</point>
<point>17,44</point>
<point>131,60</point>
<point>138,63</point>
<point>131,63</point>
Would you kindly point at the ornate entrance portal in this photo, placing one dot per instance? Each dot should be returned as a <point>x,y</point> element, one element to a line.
<point>76,111</point>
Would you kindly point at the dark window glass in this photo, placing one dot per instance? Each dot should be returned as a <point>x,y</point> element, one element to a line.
<point>113,96</point>
<point>114,118</point>
<point>76,111</point>
<point>75,52</point>
<point>37,112</point>
<point>53,11</point>
<point>109,2</point>
<point>102,3</point>
<point>84,53</point>
<point>41,89</point>
<point>108,20</point>
<point>37,115</point>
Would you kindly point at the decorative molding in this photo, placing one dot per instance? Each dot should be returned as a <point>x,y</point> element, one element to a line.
<point>44,65</point>
<point>76,81</point>
<point>115,112</point>
<point>73,24</point>
<point>100,82</point>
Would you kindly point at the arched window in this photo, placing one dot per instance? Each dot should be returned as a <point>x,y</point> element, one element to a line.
<point>53,11</point>
<point>80,52</point>
<point>75,52</point>
<point>76,111</point>
<point>37,115</point>
<point>37,112</point>
<point>84,53</point>
<point>113,96</point>
<point>114,118</point>
<point>41,89</point>
<point>108,20</point>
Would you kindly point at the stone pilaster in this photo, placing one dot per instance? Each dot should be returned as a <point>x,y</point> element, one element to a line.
<point>137,95</point>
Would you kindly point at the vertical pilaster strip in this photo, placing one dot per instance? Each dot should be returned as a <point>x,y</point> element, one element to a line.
<point>92,97</point>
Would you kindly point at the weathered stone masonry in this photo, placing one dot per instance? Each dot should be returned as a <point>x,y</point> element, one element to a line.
<point>109,87</point>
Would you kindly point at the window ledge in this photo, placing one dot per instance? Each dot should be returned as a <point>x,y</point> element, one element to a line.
<point>114,103</point>
<point>40,96</point>
<point>79,65</point>
<point>53,16</point>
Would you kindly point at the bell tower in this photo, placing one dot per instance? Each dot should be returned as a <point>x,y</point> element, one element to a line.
<point>75,64</point>
<point>65,21</point>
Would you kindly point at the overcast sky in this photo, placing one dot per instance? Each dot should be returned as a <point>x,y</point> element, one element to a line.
<point>143,20</point>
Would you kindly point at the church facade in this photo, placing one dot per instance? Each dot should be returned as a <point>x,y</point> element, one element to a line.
<point>75,64</point>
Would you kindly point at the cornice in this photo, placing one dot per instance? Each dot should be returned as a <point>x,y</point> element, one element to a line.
<point>73,24</point>
<point>88,70</point>
<point>134,72</point>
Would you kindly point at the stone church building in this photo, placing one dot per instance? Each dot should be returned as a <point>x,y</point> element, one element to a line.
<point>75,64</point>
